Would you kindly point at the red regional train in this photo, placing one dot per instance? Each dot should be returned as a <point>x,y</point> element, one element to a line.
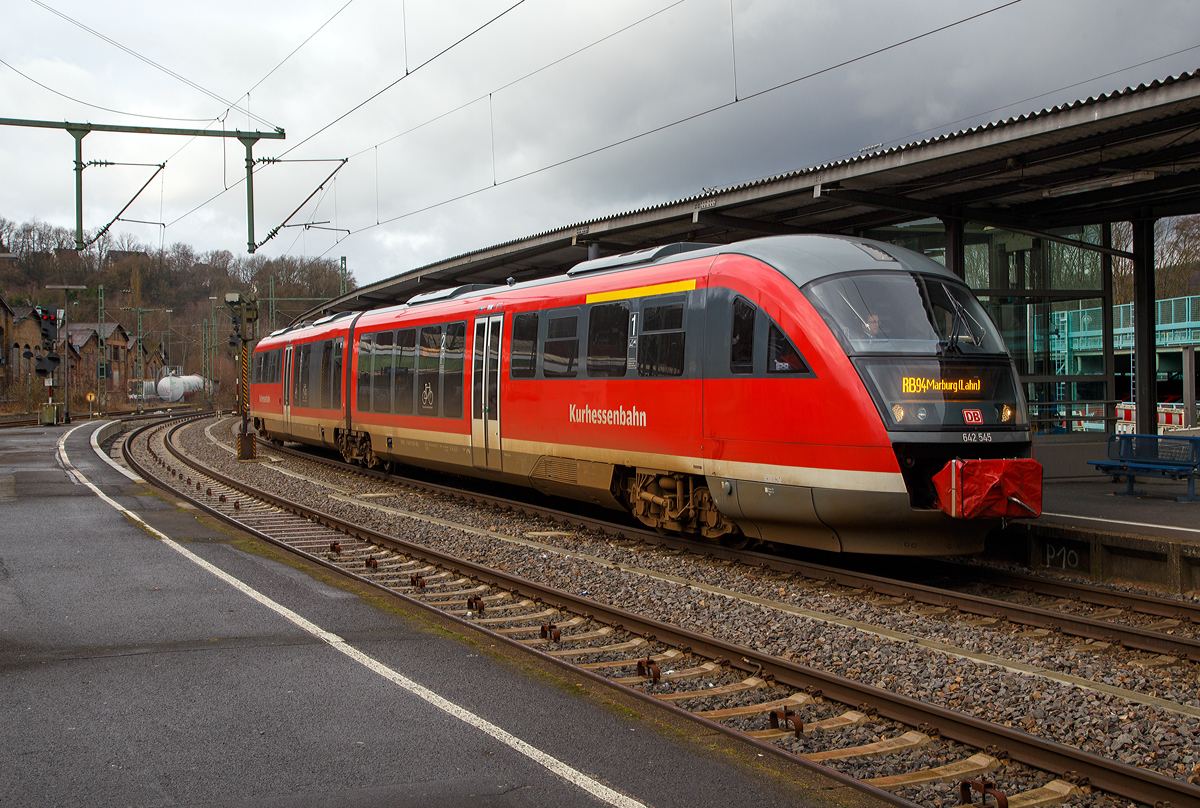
<point>800,390</point>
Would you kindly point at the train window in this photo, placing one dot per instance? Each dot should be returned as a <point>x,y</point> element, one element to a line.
<point>477,372</point>
<point>406,370</point>
<point>561,350</point>
<point>454,365</point>
<point>608,339</point>
<point>660,347</point>
<point>523,354</point>
<point>381,372</point>
<point>429,363</point>
<point>492,383</point>
<point>741,337</point>
<point>326,371</point>
<point>363,390</point>
<point>317,390</point>
<point>336,375</point>
<point>273,366</point>
<point>256,372</point>
<point>662,318</point>
<point>300,388</point>
<point>782,356</point>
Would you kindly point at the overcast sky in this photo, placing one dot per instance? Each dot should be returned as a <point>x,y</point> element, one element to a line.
<point>532,123</point>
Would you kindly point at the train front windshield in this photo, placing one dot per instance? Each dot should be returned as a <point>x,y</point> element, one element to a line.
<point>898,312</point>
<point>929,354</point>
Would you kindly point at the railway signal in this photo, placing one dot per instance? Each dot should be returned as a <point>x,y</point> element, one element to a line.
<point>47,317</point>
<point>48,320</point>
<point>243,311</point>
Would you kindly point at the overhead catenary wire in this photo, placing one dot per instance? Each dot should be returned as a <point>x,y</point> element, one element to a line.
<point>688,118</point>
<point>150,62</point>
<point>519,79</point>
<point>547,66</point>
<point>407,73</point>
<point>599,149</point>
<point>298,47</point>
<point>97,106</point>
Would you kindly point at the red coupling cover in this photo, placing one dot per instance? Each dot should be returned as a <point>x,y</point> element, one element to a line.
<point>990,489</point>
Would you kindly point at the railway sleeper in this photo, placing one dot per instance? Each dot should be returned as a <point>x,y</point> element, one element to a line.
<point>850,718</point>
<point>975,765</point>
<point>909,740</point>
<point>548,614</point>
<point>665,656</point>
<point>1053,793</point>
<point>671,676</point>
<point>752,683</point>
<point>574,622</point>
<point>603,631</point>
<point>794,700</point>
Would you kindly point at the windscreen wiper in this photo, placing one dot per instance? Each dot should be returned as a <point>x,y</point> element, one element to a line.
<point>959,323</point>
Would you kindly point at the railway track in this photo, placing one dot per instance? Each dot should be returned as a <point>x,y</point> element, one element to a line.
<point>768,700</point>
<point>130,416</point>
<point>1060,606</point>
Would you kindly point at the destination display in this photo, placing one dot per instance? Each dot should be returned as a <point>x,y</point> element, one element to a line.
<point>948,388</point>
<point>943,394</point>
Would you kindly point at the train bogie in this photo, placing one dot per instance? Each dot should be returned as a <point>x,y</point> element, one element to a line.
<point>763,391</point>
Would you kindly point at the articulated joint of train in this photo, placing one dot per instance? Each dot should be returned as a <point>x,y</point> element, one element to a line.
<point>670,501</point>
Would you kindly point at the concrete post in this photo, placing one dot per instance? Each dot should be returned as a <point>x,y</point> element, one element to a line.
<point>956,258</point>
<point>1144,330</point>
<point>1189,387</point>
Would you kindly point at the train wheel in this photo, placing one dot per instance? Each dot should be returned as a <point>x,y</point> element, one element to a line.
<point>737,541</point>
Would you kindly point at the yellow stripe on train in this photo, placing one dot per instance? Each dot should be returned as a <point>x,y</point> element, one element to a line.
<point>643,291</point>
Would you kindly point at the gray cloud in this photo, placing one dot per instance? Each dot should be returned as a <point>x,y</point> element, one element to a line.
<point>677,64</point>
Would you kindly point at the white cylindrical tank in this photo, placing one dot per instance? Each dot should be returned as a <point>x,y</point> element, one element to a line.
<point>173,388</point>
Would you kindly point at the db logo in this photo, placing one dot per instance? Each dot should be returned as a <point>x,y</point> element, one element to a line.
<point>972,417</point>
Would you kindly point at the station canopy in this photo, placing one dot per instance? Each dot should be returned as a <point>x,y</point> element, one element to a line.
<point>1128,155</point>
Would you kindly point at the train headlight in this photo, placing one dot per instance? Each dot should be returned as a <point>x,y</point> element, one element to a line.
<point>921,413</point>
<point>1006,414</point>
<point>898,412</point>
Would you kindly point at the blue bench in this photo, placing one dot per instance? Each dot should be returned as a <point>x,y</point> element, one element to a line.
<point>1132,456</point>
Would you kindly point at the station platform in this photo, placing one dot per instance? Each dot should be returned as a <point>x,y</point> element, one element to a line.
<point>179,662</point>
<point>1089,526</point>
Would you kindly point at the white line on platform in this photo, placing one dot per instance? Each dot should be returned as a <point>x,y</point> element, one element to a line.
<point>104,456</point>
<point>1120,522</point>
<point>568,773</point>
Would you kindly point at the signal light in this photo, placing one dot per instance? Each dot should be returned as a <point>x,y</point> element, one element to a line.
<point>48,320</point>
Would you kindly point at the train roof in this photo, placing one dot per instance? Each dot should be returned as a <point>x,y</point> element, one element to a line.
<point>800,258</point>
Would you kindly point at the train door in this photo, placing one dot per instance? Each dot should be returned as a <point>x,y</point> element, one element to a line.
<point>286,380</point>
<point>485,393</point>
